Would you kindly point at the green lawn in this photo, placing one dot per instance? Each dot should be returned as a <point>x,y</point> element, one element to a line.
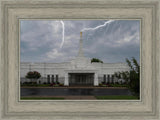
<point>109,97</point>
<point>117,97</point>
<point>41,98</point>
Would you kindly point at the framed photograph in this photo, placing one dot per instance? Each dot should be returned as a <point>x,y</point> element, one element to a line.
<point>80,59</point>
<point>87,64</point>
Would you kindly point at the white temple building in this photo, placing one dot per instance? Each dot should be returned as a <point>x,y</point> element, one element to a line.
<point>79,71</point>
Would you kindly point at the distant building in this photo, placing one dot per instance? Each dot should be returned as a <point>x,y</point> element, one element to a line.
<point>79,71</point>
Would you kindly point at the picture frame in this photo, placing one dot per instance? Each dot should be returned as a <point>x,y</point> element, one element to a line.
<point>145,108</point>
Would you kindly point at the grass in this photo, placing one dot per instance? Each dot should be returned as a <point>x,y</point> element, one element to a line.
<point>108,97</point>
<point>42,98</point>
<point>118,97</point>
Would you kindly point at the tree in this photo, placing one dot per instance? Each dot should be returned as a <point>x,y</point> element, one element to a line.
<point>123,75</point>
<point>96,60</point>
<point>132,76</point>
<point>33,75</point>
<point>135,76</point>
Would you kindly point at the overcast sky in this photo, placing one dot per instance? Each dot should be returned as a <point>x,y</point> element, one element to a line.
<point>110,41</point>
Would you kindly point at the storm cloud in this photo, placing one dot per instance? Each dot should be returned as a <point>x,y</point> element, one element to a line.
<point>41,40</point>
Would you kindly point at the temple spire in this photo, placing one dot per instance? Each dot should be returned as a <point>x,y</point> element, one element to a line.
<point>80,53</point>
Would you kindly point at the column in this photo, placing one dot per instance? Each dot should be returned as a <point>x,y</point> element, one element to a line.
<point>66,82</point>
<point>95,79</point>
<point>50,80</point>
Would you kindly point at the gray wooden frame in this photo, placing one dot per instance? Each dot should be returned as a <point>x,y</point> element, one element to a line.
<point>14,10</point>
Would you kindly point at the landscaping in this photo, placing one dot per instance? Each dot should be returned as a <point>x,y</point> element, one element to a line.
<point>31,84</point>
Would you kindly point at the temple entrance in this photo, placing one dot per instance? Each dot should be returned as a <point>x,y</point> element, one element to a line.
<point>81,78</point>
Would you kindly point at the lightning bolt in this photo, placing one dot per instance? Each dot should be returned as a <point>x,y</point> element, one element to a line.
<point>87,29</point>
<point>63,28</point>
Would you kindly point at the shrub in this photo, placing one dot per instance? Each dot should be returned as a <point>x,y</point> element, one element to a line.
<point>56,85</point>
<point>57,82</point>
<point>116,82</point>
<point>61,84</point>
<point>109,85</point>
<point>132,77</point>
<point>33,75</point>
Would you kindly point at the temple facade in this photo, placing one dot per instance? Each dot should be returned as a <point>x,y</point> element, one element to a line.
<point>78,71</point>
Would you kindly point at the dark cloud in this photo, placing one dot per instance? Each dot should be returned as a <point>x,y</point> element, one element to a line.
<point>40,40</point>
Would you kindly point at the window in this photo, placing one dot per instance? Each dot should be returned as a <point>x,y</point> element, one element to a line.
<point>48,79</point>
<point>104,78</point>
<point>56,78</point>
<point>52,78</point>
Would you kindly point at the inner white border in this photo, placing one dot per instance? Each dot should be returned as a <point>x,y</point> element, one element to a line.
<point>140,42</point>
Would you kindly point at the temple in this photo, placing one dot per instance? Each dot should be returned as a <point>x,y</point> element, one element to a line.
<point>78,71</point>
